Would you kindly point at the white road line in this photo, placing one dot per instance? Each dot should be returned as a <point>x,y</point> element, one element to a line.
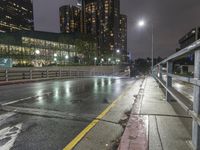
<point>24,99</point>
<point>9,135</point>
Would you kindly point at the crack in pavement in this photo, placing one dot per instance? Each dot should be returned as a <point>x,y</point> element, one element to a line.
<point>53,114</point>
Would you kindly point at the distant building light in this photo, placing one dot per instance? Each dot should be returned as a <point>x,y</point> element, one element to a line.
<point>66,57</point>
<point>37,52</point>
<point>55,55</point>
<point>118,51</point>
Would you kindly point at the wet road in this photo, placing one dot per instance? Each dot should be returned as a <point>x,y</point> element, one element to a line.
<point>182,87</point>
<point>50,114</point>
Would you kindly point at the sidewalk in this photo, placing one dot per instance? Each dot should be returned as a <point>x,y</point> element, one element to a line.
<point>155,124</point>
<point>103,136</point>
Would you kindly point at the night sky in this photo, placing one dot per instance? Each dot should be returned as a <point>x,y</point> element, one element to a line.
<point>171,18</point>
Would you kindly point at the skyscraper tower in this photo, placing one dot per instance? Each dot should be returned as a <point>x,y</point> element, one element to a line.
<point>16,15</point>
<point>101,18</point>
<point>70,19</point>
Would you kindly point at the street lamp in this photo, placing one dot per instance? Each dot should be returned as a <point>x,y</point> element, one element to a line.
<point>142,23</point>
<point>66,57</point>
<point>95,61</point>
<point>37,52</point>
<point>55,55</point>
<point>118,51</point>
<point>118,60</point>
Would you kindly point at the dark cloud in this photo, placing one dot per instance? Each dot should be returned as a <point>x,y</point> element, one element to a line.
<point>171,18</point>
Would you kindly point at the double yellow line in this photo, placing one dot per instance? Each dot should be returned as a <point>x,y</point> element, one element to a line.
<point>77,139</point>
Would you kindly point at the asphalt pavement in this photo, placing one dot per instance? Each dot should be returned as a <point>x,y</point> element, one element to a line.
<point>49,114</point>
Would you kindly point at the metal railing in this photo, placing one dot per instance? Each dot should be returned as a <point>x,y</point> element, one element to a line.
<point>192,107</point>
<point>29,74</point>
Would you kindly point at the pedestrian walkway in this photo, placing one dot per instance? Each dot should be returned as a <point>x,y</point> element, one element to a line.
<point>154,123</point>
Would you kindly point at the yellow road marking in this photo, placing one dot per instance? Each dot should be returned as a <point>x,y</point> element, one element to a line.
<point>76,140</point>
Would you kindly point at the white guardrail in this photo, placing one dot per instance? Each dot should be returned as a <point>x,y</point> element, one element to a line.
<point>13,74</point>
<point>192,107</point>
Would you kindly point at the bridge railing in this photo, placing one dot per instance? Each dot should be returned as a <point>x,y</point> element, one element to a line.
<point>18,74</point>
<point>192,107</point>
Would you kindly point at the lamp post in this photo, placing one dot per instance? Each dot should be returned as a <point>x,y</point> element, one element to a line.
<point>142,23</point>
<point>95,61</point>
<point>66,59</point>
<point>37,52</point>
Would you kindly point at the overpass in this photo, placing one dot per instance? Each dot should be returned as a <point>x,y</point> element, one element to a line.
<point>87,109</point>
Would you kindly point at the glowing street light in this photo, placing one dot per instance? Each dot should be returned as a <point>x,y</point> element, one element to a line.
<point>118,51</point>
<point>37,52</point>
<point>66,57</point>
<point>109,59</point>
<point>95,61</point>
<point>118,60</point>
<point>55,59</point>
<point>55,55</point>
<point>141,23</point>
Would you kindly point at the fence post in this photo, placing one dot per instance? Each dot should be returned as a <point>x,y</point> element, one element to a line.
<point>6,74</point>
<point>47,73</point>
<point>31,74</point>
<point>169,80</point>
<point>160,71</point>
<point>60,73</point>
<point>196,103</point>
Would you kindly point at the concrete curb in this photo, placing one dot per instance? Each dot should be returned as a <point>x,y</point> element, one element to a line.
<point>135,135</point>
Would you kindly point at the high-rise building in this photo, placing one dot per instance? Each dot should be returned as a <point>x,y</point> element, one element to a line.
<point>16,15</point>
<point>190,37</point>
<point>101,18</point>
<point>70,19</point>
<point>123,34</point>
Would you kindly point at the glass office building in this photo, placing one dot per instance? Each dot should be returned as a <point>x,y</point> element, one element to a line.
<point>38,48</point>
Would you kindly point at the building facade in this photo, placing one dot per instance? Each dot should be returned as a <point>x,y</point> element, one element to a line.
<point>185,64</point>
<point>102,19</point>
<point>16,15</point>
<point>123,36</point>
<point>70,19</point>
<point>190,37</point>
<point>41,48</point>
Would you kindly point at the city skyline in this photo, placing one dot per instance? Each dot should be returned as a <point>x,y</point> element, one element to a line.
<point>101,19</point>
<point>168,28</point>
